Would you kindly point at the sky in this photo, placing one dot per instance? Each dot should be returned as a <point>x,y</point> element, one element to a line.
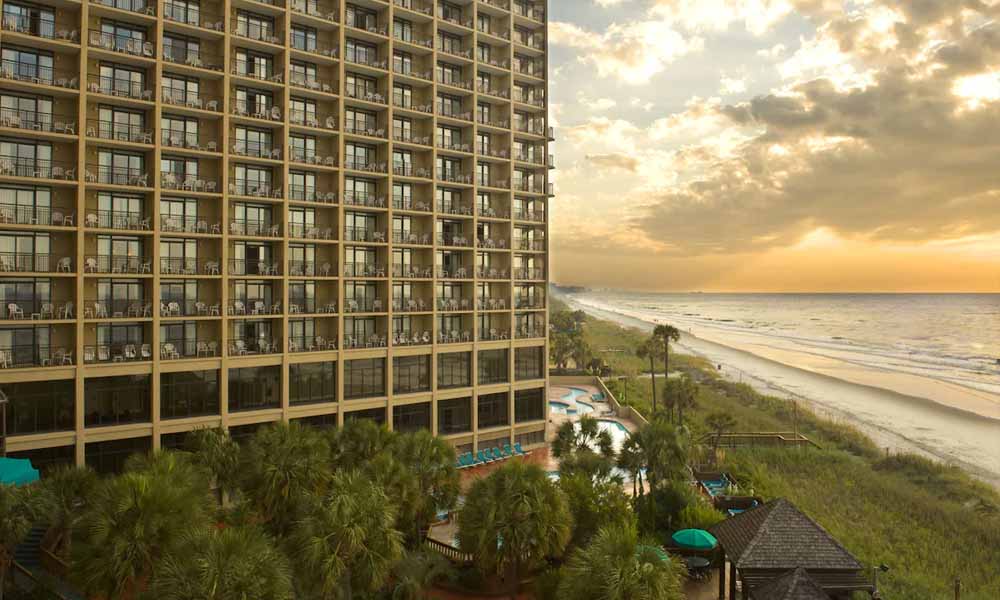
<point>776,145</point>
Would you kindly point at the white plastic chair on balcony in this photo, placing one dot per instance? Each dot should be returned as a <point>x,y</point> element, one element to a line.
<point>48,310</point>
<point>239,308</point>
<point>14,311</point>
<point>259,308</point>
<point>201,349</point>
<point>65,265</point>
<point>66,312</point>
<point>200,308</point>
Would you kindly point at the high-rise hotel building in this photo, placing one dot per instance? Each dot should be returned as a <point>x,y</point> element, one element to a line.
<point>238,212</point>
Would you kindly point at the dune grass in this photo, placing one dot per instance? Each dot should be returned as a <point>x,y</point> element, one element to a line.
<point>930,523</point>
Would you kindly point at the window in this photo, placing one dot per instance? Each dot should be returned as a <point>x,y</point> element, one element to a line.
<point>36,20</point>
<point>493,366</point>
<point>402,62</point>
<point>254,64</point>
<point>361,52</point>
<point>39,406</point>
<point>359,156</point>
<point>529,363</point>
<point>361,18</point>
<point>183,11</point>
<point>253,101</point>
<point>449,42</point>
<point>411,417</point>
<point>449,106</point>
<point>119,80</point>
<point>30,112</point>
<point>411,374</point>
<point>402,30</point>
<point>181,49</point>
<point>529,405</point>
<point>359,86</point>
<point>312,383</point>
<point>116,400</point>
<point>303,73</point>
<point>253,389</point>
<point>402,95</point>
<point>449,74</point>
<point>179,89</point>
<point>120,168</point>
<point>364,378</point>
<point>189,394</point>
<point>27,64</point>
<point>28,159</point>
<point>253,142</point>
<point>492,410</point>
<point>376,415</point>
<point>454,370</point>
<point>47,459</point>
<point>327,421</point>
<point>454,416</point>
<point>254,26</point>
<point>532,438</point>
<point>109,457</point>
<point>305,38</point>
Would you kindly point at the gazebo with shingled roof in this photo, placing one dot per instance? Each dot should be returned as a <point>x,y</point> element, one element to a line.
<point>766,542</point>
<point>793,585</point>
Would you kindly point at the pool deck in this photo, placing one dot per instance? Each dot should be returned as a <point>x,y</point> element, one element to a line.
<point>602,410</point>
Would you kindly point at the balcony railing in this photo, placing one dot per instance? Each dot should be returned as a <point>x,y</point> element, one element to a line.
<point>120,43</point>
<point>117,219</point>
<point>248,346</point>
<point>492,273</point>
<point>191,58</point>
<point>36,168</point>
<point>311,83</point>
<point>491,304</point>
<point>134,177</point>
<point>411,338</point>
<point>311,8</point>
<point>361,165</point>
<point>186,348</point>
<point>117,309</point>
<point>364,305</point>
<point>238,266</point>
<point>311,344</point>
<point>116,353</point>
<point>375,340</point>
<point>523,333</point>
<point>196,224</point>
<point>301,155</point>
<point>523,273</point>
<point>191,141</point>
<point>454,209</point>
<point>352,269</point>
<point>189,183</point>
<point>310,119</point>
<point>309,268</point>
<point>29,262</point>
<point>121,87</point>
<point>189,99</point>
<point>35,215</point>
<point>354,198</point>
<point>19,356</point>
<point>138,6</point>
<point>309,306</point>
<point>183,265</point>
<point>412,271</point>
<point>454,176</point>
<point>362,92</point>
<point>411,305</point>
<point>255,307</point>
<point>529,303</point>
<point>254,227</point>
<point>363,234</point>
<point>249,109</point>
<point>408,203</point>
<point>255,31</point>
<point>364,127</point>
<point>454,304</point>
<point>188,308</point>
<point>32,120</point>
<point>421,6</point>
<point>493,334</point>
<point>454,337</point>
<point>453,239</point>
<point>308,193</point>
<point>530,215</point>
<point>310,232</point>
<point>492,243</point>
<point>492,213</point>
<point>251,70</point>
<point>256,149</point>
<point>192,14</point>
<point>256,189</point>
<point>122,132</point>
<point>103,263</point>
<point>32,72</point>
<point>453,273</point>
<point>529,244</point>
<point>16,309</point>
<point>36,25</point>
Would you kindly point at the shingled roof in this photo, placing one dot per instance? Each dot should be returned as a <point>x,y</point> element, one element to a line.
<point>793,585</point>
<point>777,535</point>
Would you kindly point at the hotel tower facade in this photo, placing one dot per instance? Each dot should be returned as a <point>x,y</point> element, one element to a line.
<point>240,212</point>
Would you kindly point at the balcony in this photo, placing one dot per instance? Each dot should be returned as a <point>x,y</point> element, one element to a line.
<point>454,304</point>
<point>117,353</point>
<point>245,109</point>
<point>300,155</point>
<point>453,273</point>
<point>36,168</point>
<point>120,43</point>
<point>120,87</point>
<point>33,73</point>
<point>254,228</point>
<point>453,145</point>
<point>256,150</point>
<point>241,267</point>
<point>412,271</point>
<point>250,70</point>
<point>353,198</point>
<point>352,269</point>
<point>192,58</point>
<point>410,305</point>
<point>411,338</point>
<point>491,304</point>
<point>117,309</point>
<point>187,348</point>
<point>308,193</point>
<point>529,244</point>
<point>31,120</point>
<point>525,333</point>
<point>362,234</point>
<point>111,175</point>
<point>309,119</point>
<point>409,170</point>
<point>411,237</point>
<point>255,307</point>
<point>37,26</point>
<point>188,183</point>
<point>420,6</point>
<point>311,306</point>
<point>179,224</point>
<point>310,232</point>
<point>364,127</point>
<point>114,219</point>
<point>189,99</point>
<point>454,337</point>
<point>524,273</point>
<point>19,356</point>
<point>103,264</point>
<point>375,340</point>
<point>362,92</point>
<point>451,239</point>
<point>302,81</point>
<point>17,214</point>
<point>309,268</point>
<point>29,262</point>
<point>136,6</point>
<point>407,136</point>
<point>454,209</point>
<point>311,8</point>
<point>408,203</point>
<point>311,344</point>
<point>498,243</point>
<point>35,309</point>
<point>252,346</point>
<point>192,14</point>
<point>362,58</point>
<point>493,213</point>
<point>493,334</point>
<point>119,132</point>
<point>530,215</point>
<point>529,303</point>
<point>492,273</point>
<point>175,265</point>
<point>454,176</point>
<point>255,189</point>
<point>253,31</point>
<point>188,308</point>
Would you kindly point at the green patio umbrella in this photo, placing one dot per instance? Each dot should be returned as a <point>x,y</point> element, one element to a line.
<point>695,539</point>
<point>660,553</point>
<point>17,471</point>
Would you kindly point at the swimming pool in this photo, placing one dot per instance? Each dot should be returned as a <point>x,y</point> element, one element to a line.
<point>619,433</point>
<point>560,408</point>
<point>571,403</point>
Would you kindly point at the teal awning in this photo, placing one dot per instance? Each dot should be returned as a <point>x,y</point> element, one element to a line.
<point>695,539</point>
<point>17,471</point>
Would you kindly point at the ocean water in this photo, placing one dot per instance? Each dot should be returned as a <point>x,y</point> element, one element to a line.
<point>953,338</point>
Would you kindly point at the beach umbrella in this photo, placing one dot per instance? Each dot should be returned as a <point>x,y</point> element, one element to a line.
<point>695,539</point>
<point>17,471</point>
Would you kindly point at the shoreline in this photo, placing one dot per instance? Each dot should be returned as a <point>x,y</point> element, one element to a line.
<point>893,420</point>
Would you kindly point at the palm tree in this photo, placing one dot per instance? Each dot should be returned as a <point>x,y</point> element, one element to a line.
<point>221,456</point>
<point>664,334</point>
<point>417,572</point>
<point>619,565</point>
<point>650,349</point>
<point>279,467</point>
<point>432,461</point>
<point>719,422</point>
<point>347,541</point>
<point>680,393</point>
<point>659,449</point>
<point>68,490</point>
<point>234,563</point>
<point>630,461</point>
<point>20,507</point>
<point>134,520</point>
<point>513,520</point>
<point>357,442</point>
<point>582,436</point>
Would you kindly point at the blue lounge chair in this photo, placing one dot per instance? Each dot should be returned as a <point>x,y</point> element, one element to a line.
<point>466,460</point>
<point>497,455</point>
<point>518,450</point>
<point>482,459</point>
<point>507,452</point>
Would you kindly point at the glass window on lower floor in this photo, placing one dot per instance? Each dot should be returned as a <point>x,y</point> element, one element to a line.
<point>189,394</point>
<point>532,438</point>
<point>411,374</point>
<point>364,378</point>
<point>454,370</point>
<point>529,363</point>
<point>495,442</point>
<point>327,421</point>
<point>411,417</point>
<point>46,459</point>
<point>529,405</point>
<point>242,433</point>
<point>39,406</point>
<point>174,441</point>
<point>493,410</point>
<point>373,414</point>
<point>493,367</point>
<point>116,400</point>
<point>109,457</point>
<point>454,416</point>
<point>312,383</point>
<point>254,388</point>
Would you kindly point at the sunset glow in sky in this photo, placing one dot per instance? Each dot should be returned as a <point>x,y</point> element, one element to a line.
<point>776,145</point>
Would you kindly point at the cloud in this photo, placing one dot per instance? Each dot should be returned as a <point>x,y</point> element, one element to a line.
<point>773,53</point>
<point>757,16</point>
<point>633,52</point>
<point>614,162</point>
<point>729,86</point>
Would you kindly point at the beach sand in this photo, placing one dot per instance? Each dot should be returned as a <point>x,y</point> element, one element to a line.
<point>899,412</point>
